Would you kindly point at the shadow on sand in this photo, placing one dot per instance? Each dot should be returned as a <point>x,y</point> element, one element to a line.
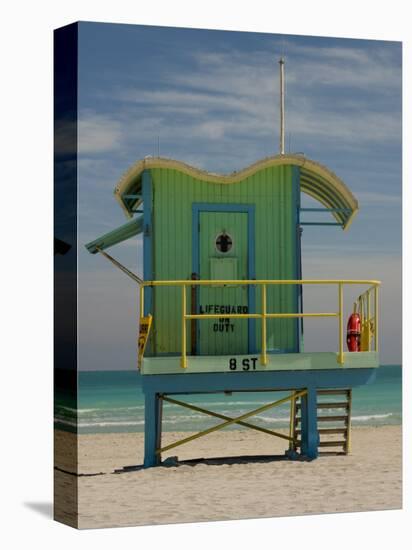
<point>173,462</point>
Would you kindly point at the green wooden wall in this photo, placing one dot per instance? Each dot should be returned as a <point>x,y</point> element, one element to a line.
<point>273,191</point>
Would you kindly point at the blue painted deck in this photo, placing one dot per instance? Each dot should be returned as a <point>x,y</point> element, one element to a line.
<point>251,362</point>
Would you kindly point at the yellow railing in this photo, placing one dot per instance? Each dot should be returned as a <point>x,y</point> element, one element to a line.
<point>367,313</point>
<point>264,315</point>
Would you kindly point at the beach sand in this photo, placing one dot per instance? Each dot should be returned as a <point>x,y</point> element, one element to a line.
<point>367,479</point>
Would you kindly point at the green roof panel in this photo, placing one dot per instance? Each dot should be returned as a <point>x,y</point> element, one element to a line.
<point>122,233</point>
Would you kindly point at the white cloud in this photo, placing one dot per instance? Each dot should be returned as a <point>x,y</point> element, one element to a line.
<point>306,66</point>
<point>369,127</point>
<point>379,199</point>
<point>98,133</point>
<point>235,94</point>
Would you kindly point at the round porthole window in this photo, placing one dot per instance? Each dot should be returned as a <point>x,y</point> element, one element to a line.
<point>224,242</point>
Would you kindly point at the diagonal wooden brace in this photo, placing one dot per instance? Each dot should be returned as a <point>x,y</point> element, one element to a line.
<point>229,421</point>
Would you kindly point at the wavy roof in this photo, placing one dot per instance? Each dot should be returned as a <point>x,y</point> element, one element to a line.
<point>316,180</point>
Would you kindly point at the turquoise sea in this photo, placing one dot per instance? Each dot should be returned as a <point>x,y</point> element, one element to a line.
<point>112,401</point>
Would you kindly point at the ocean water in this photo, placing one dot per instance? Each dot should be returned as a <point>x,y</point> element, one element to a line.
<point>112,401</point>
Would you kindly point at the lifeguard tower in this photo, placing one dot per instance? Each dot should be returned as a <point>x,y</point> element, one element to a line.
<point>221,295</point>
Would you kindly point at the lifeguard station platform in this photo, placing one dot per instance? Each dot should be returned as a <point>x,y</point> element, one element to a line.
<point>221,304</point>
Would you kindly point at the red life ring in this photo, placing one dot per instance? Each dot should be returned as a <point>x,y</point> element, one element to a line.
<point>353,332</point>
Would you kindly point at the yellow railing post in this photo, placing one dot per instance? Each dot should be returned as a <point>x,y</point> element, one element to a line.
<point>368,330</point>
<point>263,357</point>
<point>184,358</point>
<point>368,305</point>
<point>340,358</point>
<point>376,317</point>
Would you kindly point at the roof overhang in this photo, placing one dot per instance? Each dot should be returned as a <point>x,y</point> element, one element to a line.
<point>316,180</point>
<point>122,233</point>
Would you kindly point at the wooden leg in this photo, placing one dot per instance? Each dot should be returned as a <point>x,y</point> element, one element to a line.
<point>153,429</point>
<point>309,424</point>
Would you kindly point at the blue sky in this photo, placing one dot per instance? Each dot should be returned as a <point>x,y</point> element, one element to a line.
<point>211,98</point>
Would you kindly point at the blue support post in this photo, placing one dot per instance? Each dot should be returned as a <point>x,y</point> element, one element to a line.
<point>147,239</point>
<point>153,428</point>
<point>148,275</point>
<point>309,424</point>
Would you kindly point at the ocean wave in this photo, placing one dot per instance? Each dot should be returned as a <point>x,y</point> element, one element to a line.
<point>169,406</point>
<point>65,422</point>
<point>366,417</point>
<point>110,409</point>
<point>63,408</point>
<point>106,424</point>
<point>167,419</point>
<point>182,418</point>
<point>218,404</point>
<point>185,422</point>
<point>269,419</point>
<point>126,421</point>
<point>101,410</point>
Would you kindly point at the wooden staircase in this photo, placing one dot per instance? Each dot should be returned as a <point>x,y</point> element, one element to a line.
<point>334,419</point>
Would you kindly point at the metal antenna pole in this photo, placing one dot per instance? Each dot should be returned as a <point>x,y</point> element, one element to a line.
<point>282,106</point>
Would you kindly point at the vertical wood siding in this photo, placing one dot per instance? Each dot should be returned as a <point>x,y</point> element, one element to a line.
<point>271,192</point>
